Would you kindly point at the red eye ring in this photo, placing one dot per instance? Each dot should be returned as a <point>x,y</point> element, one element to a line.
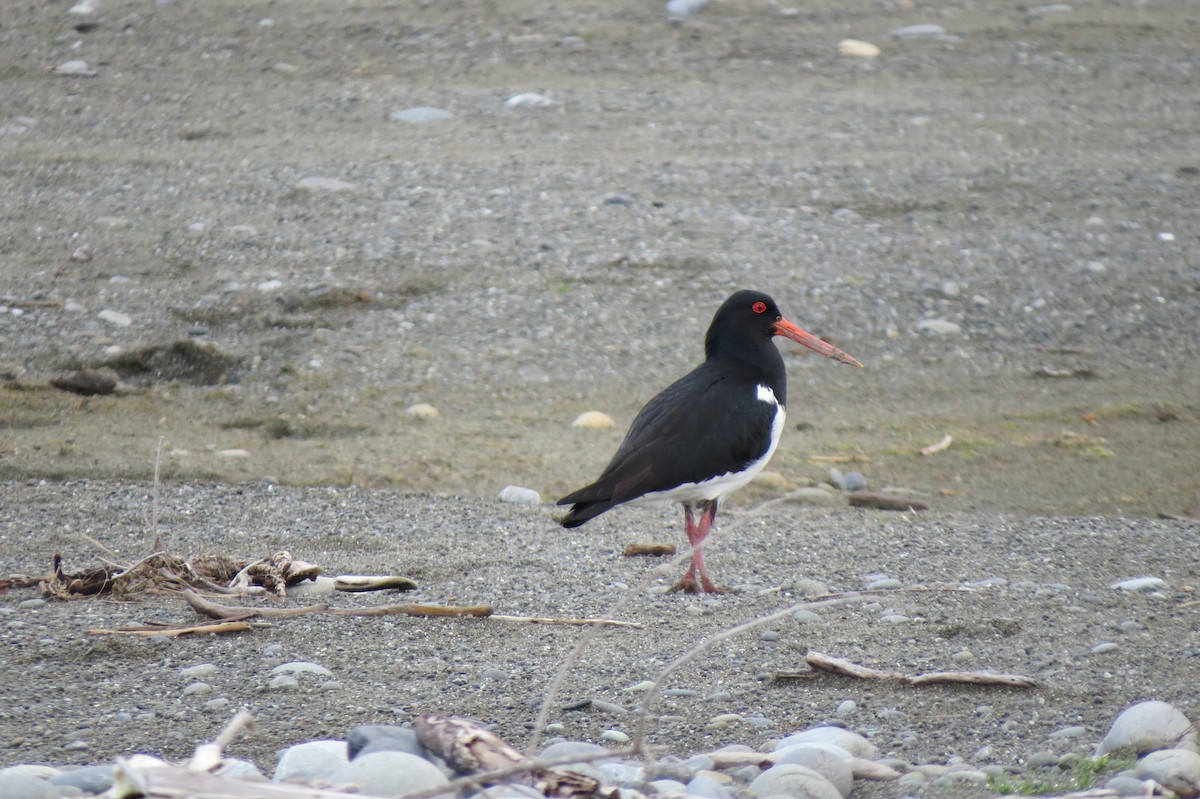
<point>759,307</point>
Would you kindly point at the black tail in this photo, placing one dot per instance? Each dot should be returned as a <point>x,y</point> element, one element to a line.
<point>582,512</point>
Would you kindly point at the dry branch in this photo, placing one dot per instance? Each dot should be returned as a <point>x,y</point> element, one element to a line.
<point>470,749</point>
<point>174,631</point>
<point>636,625</point>
<point>845,668</point>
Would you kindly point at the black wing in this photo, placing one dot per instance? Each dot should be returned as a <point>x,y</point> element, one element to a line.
<point>703,425</point>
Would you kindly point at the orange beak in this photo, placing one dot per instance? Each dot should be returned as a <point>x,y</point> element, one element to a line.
<point>786,329</point>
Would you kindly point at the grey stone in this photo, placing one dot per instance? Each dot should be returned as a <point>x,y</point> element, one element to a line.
<point>1147,726</point>
<point>1177,769</point>
<point>311,760</point>
<point>798,782</point>
<point>370,738</point>
<point>389,773</point>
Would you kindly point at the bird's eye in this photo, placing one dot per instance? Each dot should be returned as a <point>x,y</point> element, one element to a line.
<point>759,307</point>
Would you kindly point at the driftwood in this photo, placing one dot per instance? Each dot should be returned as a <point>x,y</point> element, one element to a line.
<point>158,572</point>
<point>470,749</point>
<point>872,499</point>
<point>822,662</point>
<point>276,573</point>
<point>633,550</point>
<point>213,610</point>
<point>635,625</point>
<point>944,443</point>
<point>176,630</point>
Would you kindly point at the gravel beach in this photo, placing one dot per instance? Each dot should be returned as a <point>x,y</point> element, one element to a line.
<point>359,266</point>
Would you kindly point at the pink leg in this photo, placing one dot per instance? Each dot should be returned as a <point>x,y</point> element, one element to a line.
<point>696,578</point>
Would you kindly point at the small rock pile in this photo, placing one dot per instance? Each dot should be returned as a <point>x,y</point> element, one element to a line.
<point>818,763</point>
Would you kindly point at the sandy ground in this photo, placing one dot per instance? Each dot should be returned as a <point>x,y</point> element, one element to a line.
<point>1030,177</point>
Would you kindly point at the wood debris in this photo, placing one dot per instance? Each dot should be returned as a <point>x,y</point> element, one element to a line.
<point>1085,372</point>
<point>275,573</point>
<point>633,550</point>
<point>827,663</point>
<point>939,446</point>
<point>872,499</point>
<point>471,750</point>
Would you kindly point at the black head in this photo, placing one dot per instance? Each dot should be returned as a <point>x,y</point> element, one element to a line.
<point>747,321</point>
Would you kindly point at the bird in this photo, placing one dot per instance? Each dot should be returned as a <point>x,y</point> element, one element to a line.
<point>708,433</point>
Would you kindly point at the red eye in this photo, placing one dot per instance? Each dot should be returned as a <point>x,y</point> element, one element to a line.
<point>759,307</point>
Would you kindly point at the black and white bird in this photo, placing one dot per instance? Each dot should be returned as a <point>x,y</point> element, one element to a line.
<point>708,433</point>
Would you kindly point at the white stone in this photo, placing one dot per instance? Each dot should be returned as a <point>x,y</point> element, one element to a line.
<point>422,410</point>
<point>912,31</point>
<point>518,495</point>
<point>421,114</point>
<point>940,327</point>
<point>389,773</point>
<point>831,762</point>
<point>309,761</point>
<point>1177,769</point>
<point>796,782</point>
<point>1145,584</point>
<point>852,742</point>
<point>1147,726</point>
<point>324,184</point>
<point>116,318</point>
<point>529,100</point>
<point>856,48</point>
<point>594,420</point>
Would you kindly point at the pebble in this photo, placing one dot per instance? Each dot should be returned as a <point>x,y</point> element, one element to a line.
<point>1140,584</point>
<point>1102,648</point>
<point>884,584</point>
<point>1176,769</point>
<point>389,773</point>
<point>1147,726</point>
<point>200,671</point>
<point>115,318</point>
<point>852,742</point>
<point>422,410</point>
<point>940,327</point>
<point>791,780</point>
<point>284,682</point>
<point>89,779</point>
<point>370,738</point>
<point>915,31</point>
<point>1052,8</point>
<point>593,420</point>
<point>518,495</point>
<point>316,183</point>
<point>831,762</point>
<point>23,786</point>
<point>856,48</point>
<point>302,667</point>
<point>614,736</point>
<point>310,761</point>
<point>529,100</point>
<point>421,114</point>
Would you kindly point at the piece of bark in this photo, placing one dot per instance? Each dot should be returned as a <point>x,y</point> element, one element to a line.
<point>834,665</point>
<point>872,499</point>
<point>633,550</point>
<point>573,622</point>
<point>86,383</point>
<point>175,632</point>
<point>469,749</point>
<point>363,582</point>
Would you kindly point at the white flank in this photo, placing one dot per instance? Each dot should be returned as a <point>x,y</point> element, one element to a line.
<point>765,394</point>
<point>717,487</point>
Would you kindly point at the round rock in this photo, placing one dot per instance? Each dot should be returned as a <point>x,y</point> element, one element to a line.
<point>310,761</point>
<point>1147,726</point>
<point>852,742</point>
<point>831,762</point>
<point>1177,769</point>
<point>390,774</point>
<point>798,782</point>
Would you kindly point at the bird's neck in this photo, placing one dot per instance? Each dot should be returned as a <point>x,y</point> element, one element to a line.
<point>761,366</point>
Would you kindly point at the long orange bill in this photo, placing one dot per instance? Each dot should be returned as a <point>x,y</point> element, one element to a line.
<point>786,329</point>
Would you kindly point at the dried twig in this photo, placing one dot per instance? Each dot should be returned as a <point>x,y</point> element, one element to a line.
<point>636,625</point>
<point>176,631</point>
<point>846,668</point>
<point>470,749</point>
<point>945,443</point>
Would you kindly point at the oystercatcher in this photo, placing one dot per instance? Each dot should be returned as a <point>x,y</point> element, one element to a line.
<point>708,433</point>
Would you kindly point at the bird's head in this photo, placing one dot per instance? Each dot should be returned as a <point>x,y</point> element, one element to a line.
<point>750,317</point>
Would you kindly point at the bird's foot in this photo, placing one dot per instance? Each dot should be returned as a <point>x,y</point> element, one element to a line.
<point>689,585</point>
